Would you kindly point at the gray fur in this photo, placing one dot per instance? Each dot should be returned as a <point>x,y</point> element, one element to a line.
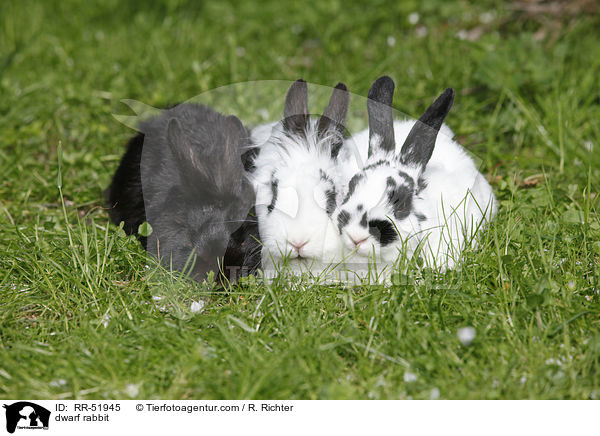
<point>195,193</point>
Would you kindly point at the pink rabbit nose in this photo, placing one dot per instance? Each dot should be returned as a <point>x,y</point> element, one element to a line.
<point>297,245</point>
<point>357,242</point>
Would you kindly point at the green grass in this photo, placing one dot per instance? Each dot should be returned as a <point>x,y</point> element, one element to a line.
<point>77,314</point>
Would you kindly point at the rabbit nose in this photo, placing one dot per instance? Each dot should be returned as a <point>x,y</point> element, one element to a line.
<point>358,241</point>
<point>297,245</point>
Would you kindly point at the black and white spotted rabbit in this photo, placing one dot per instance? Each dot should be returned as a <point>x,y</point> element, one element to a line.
<point>418,190</point>
<point>295,181</point>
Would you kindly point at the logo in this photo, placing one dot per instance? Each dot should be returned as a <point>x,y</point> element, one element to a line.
<point>26,415</point>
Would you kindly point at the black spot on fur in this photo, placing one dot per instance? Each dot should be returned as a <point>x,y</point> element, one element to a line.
<point>383,231</point>
<point>343,219</point>
<point>421,184</point>
<point>363,220</point>
<point>335,148</point>
<point>359,207</point>
<point>420,216</point>
<point>248,158</point>
<point>390,183</point>
<point>375,165</point>
<point>400,197</point>
<point>274,191</point>
<point>401,201</point>
<point>331,196</point>
<point>352,186</point>
<point>406,177</point>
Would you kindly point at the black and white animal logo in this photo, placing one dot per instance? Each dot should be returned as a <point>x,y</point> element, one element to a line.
<point>26,415</point>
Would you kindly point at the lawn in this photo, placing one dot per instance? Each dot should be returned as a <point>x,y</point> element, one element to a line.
<point>85,314</point>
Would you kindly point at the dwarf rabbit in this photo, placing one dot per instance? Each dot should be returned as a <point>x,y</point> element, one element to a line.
<point>189,183</point>
<point>417,191</point>
<point>295,183</point>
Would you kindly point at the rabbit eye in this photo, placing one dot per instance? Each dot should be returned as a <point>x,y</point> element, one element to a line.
<point>401,202</point>
<point>383,231</point>
<point>331,200</point>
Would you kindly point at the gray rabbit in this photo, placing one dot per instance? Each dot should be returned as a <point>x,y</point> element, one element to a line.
<point>185,175</point>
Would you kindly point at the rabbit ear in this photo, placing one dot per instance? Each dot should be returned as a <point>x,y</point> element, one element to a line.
<point>419,144</point>
<point>295,112</point>
<point>236,137</point>
<point>186,159</point>
<point>334,117</point>
<point>381,119</point>
<point>235,140</point>
<point>177,143</point>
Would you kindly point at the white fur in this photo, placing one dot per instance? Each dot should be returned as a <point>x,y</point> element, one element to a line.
<point>457,202</point>
<point>299,214</point>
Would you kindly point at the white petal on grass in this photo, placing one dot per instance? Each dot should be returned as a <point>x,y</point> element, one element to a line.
<point>132,390</point>
<point>105,320</point>
<point>391,41</point>
<point>58,382</point>
<point>413,18</point>
<point>435,394</point>
<point>487,17</point>
<point>197,306</point>
<point>381,382</point>
<point>410,377</point>
<point>421,32</point>
<point>466,335</point>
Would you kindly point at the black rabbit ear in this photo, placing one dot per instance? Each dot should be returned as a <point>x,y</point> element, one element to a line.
<point>335,113</point>
<point>381,119</point>
<point>419,144</point>
<point>236,137</point>
<point>187,161</point>
<point>295,112</point>
<point>334,117</point>
<point>177,142</point>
